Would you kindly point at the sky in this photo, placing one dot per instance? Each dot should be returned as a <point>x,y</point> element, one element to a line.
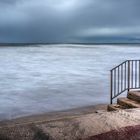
<point>69,21</point>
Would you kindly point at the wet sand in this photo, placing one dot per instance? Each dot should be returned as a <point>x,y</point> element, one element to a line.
<point>71,113</point>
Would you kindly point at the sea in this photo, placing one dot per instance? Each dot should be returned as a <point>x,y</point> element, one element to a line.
<point>36,79</point>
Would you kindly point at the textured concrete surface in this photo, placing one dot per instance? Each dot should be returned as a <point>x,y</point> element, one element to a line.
<point>122,124</point>
<point>125,133</point>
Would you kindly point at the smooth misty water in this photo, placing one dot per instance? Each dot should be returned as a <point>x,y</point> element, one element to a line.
<point>43,78</point>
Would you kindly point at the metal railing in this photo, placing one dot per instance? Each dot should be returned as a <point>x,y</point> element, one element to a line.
<point>124,77</point>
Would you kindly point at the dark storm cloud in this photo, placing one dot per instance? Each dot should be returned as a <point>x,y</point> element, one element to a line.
<point>8,1</point>
<point>69,20</point>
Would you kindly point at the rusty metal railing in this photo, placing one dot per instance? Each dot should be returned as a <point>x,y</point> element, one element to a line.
<point>124,77</point>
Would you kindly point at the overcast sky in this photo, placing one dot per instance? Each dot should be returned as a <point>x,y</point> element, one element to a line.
<point>69,21</point>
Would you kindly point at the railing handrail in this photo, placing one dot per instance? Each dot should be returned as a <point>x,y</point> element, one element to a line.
<point>119,65</point>
<point>124,76</point>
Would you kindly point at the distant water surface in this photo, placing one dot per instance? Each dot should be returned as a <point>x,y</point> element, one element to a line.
<point>44,78</point>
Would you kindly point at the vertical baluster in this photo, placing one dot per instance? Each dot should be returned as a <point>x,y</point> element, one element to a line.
<point>132,74</point>
<point>121,77</point>
<point>135,73</point>
<point>139,73</point>
<point>113,92</point>
<point>111,88</point>
<point>128,82</point>
<point>115,81</point>
<point>125,76</point>
<point>118,79</point>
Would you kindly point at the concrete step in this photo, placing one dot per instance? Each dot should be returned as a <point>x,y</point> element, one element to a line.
<point>134,95</point>
<point>115,107</point>
<point>128,103</point>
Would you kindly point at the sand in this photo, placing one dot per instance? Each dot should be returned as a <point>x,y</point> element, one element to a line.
<point>89,123</point>
<point>50,116</point>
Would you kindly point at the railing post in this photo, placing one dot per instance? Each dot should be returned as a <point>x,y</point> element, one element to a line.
<point>111,87</point>
<point>128,82</point>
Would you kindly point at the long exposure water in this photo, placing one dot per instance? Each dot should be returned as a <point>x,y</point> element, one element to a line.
<point>44,78</point>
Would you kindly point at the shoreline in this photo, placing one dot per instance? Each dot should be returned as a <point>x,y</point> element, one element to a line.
<point>55,115</point>
<point>61,43</point>
<point>94,125</point>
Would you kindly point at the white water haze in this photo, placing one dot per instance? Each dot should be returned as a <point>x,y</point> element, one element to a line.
<point>44,78</point>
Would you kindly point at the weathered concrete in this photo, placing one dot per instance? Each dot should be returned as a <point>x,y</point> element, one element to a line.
<point>131,101</point>
<point>128,103</point>
<point>115,107</point>
<point>91,126</point>
<point>134,95</point>
<point>125,133</point>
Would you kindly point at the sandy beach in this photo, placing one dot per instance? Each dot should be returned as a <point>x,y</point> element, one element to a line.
<point>87,123</point>
<point>75,112</point>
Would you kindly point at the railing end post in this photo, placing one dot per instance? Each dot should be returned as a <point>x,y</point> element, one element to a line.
<point>111,102</point>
